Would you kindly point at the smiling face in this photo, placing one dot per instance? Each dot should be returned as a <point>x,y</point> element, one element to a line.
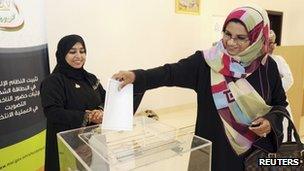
<point>76,56</point>
<point>235,38</point>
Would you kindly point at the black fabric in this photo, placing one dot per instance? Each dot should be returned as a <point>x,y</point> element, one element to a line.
<point>65,95</point>
<point>64,101</point>
<point>194,73</point>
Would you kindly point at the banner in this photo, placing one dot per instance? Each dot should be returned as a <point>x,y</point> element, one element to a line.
<point>23,65</point>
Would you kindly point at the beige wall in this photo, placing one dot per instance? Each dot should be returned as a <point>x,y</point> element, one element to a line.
<point>129,34</point>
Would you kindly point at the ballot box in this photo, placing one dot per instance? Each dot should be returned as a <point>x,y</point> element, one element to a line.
<point>150,146</point>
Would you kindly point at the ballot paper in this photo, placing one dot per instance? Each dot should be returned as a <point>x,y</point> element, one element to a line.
<point>118,111</point>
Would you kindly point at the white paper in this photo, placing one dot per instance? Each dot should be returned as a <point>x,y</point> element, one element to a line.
<point>118,111</point>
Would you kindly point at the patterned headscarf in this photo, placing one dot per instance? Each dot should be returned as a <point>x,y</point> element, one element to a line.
<point>237,102</point>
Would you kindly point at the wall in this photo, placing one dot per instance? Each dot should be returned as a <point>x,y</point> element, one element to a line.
<point>129,34</point>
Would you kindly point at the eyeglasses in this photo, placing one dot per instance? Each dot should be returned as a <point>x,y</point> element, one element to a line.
<point>240,40</point>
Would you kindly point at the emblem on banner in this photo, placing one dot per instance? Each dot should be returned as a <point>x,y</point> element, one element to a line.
<point>11,18</point>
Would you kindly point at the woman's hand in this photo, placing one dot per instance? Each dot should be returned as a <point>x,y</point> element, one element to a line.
<point>126,77</point>
<point>261,127</point>
<point>95,116</point>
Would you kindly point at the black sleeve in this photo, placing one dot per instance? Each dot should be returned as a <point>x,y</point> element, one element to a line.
<point>279,103</point>
<point>184,73</point>
<point>137,97</point>
<point>53,101</point>
<point>102,94</point>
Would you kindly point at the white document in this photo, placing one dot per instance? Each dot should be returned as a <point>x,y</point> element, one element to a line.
<point>118,111</point>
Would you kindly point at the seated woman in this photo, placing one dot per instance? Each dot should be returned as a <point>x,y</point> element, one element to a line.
<point>238,86</point>
<point>71,97</point>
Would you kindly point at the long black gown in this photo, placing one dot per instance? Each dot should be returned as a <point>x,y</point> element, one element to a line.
<point>64,100</point>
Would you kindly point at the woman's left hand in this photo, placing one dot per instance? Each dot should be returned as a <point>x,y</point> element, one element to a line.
<point>263,127</point>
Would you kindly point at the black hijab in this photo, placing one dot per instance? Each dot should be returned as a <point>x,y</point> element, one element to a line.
<point>63,47</point>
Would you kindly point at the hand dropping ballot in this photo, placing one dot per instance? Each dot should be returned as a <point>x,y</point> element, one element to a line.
<point>118,111</point>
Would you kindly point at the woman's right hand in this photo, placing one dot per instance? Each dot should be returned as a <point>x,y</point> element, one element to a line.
<point>126,77</point>
<point>94,116</point>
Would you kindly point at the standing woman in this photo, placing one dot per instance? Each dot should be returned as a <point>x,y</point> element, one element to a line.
<point>71,97</point>
<point>239,90</point>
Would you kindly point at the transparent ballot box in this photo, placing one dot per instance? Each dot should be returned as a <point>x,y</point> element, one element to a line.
<point>150,146</point>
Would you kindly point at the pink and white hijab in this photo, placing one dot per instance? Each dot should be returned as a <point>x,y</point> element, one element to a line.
<point>237,102</point>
